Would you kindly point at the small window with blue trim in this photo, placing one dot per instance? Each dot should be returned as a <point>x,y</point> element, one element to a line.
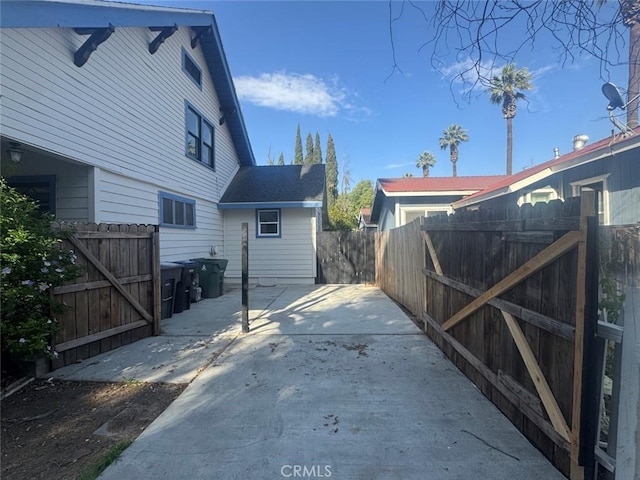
<point>176,211</point>
<point>268,223</point>
<point>200,136</point>
<point>191,69</point>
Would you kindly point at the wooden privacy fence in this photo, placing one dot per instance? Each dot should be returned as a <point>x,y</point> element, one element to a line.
<point>399,261</point>
<point>509,297</point>
<point>345,257</point>
<point>116,300</point>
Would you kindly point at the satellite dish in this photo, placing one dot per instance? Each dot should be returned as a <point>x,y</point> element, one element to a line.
<point>613,95</point>
<point>615,101</point>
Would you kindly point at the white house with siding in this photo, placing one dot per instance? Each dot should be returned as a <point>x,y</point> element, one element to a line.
<point>123,114</point>
<point>284,207</point>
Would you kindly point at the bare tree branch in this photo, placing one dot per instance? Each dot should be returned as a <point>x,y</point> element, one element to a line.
<point>476,33</point>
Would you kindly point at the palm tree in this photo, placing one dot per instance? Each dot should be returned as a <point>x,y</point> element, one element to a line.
<point>506,90</point>
<point>424,161</point>
<point>451,138</point>
<point>630,10</point>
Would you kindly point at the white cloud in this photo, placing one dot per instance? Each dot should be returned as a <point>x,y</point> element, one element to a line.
<point>468,71</point>
<point>300,93</point>
<point>539,72</point>
<point>398,165</point>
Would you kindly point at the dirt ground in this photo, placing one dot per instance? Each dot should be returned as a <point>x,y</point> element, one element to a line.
<point>57,429</point>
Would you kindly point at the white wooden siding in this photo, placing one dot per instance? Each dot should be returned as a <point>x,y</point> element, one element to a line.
<point>124,113</point>
<point>130,123</point>
<point>124,200</point>
<point>181,244</point>
<point>289,259</point>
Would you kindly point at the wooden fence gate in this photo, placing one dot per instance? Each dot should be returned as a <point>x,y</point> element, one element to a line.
<point>346,257</point>
<point>116,300</point>
<point>511,298</point>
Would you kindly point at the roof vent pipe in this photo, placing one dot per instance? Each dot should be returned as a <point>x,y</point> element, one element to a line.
<point>556,153</point>
<point>579,142</point>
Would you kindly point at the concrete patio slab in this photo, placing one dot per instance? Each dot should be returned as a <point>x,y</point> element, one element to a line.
<point>331,382</point>
<point>154,359</point>
<point>334,309</point>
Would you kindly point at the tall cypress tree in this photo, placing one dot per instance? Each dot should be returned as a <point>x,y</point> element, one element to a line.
<point>317,151</point>
<point>308,158</point>
<point>281,159</point>
<point>297,158</point>
<point>331,172</point>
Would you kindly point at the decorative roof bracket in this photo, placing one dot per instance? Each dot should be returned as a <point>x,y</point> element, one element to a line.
<point>200,31</point>
<point>98,36</point>
<point>165,32</point>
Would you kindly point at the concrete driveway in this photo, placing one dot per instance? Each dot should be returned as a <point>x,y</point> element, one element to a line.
<point>331,382</point>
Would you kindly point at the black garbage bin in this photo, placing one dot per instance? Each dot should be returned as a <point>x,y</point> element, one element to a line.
<point>186,289</point>
<point>211,272</point>
<point>169,277</point>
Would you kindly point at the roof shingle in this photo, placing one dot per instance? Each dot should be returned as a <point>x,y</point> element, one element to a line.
<point>276,184</point>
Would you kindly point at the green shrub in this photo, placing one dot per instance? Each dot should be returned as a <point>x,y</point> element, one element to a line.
<point>32,263</point>
<point>341,219</point>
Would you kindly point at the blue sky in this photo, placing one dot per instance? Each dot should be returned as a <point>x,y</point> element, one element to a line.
<point>328,66</point>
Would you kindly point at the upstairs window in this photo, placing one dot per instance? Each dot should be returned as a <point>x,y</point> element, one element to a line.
<point>268,223</point>
<point>199,137</point>
<point>177,212</point>
<point>191,69</point>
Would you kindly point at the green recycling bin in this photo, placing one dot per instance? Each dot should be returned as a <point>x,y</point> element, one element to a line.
<point>211,271</point>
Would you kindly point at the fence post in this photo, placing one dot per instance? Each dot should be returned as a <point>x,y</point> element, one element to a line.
<point>245,277</point>
<point>583,332</point>
<point>157,294</point>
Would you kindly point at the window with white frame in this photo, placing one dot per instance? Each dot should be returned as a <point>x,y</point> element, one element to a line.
<point>544,194</point>
<point>268,223</point>
<point>600,186</point>
<point>176,211</point>
<point>408,214</point>
<point>199,136</point>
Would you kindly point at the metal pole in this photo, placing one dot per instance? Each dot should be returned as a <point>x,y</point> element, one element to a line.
<point>245,277</point>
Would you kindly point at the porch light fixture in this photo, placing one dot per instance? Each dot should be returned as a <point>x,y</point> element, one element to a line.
<point>15,154</point>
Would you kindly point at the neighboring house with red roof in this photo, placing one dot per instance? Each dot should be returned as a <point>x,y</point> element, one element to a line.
<point>364,220</point>
<point>610,166</point>
<point>398,201</point>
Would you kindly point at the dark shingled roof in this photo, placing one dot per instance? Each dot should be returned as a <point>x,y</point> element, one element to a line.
<point>276,184</point>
